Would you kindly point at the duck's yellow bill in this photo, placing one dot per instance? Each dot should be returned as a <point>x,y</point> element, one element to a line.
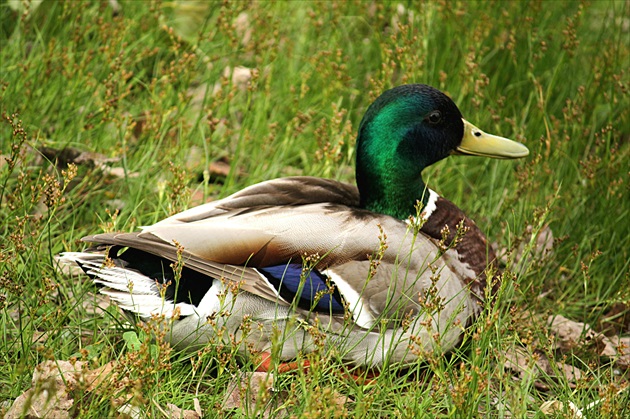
<point>478,143</point>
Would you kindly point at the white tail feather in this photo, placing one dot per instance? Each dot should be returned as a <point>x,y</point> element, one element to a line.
<point>131,290</point>
<point>148,305</point>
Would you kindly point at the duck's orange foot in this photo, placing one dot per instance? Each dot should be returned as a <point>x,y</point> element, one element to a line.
<point>361,377</point>
<point>266,364</point>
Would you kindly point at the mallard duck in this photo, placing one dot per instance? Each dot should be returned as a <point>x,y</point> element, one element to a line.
<point>379,273</point>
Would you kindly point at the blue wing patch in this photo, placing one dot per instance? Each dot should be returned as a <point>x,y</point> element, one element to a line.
<point>314,294</point>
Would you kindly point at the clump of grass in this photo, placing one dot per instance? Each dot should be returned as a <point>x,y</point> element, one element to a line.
<point>152,81</point>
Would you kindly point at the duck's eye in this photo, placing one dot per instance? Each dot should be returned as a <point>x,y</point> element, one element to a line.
<point>434,117</point>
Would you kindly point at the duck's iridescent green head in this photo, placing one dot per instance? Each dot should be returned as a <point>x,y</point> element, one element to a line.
<point>407,129</point>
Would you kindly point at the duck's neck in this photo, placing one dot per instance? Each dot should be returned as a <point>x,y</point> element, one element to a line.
<point>388,191</point>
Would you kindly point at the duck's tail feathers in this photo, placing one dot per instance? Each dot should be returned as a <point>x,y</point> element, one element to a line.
<point>130,289</point>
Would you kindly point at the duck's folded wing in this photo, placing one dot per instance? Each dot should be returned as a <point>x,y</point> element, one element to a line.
<point>247,278</point>
<point>290,191</point>
<point>334,234</point>
<point>274,222</point>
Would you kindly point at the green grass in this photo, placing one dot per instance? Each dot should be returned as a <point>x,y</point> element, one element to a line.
<point>139,87</point>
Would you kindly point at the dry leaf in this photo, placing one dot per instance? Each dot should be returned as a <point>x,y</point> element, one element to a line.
<point>20,6</point>
<point>618,350</point>
<point>570,335</point>
<point>97,377</point>
<point>115,6</point>
<point>555,407</point>
<point>87,158</point>
<point>40,337</point>
<point>186,17</point>
<point>239,77</point>
<point>114,205</point>
<point>175,412</point>
<point>518,360</point>
<point>48,397</point>
<point>3,160</point>
<point>72,155</point>
<point>403,16</point>
<point>250,393</point>
<point>336,398</point>
<point>132,412</point>
<point>219,168</point>
<point>243,28</point>
<point>197,407</point>
<point>118,172</point>
<point>570,372</point>
<point>43,404</point>
<point>536,366</point>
